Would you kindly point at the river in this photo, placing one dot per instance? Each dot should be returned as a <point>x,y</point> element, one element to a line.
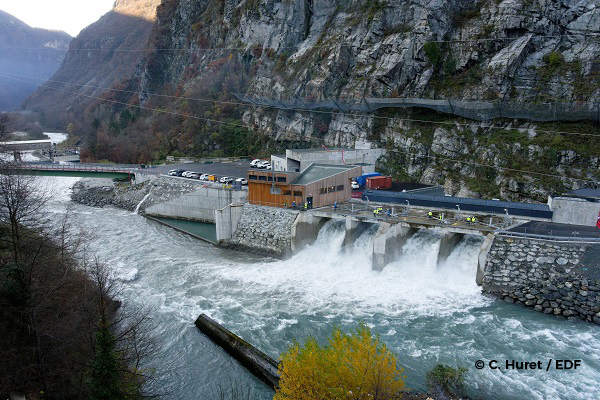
<point>426,314</point>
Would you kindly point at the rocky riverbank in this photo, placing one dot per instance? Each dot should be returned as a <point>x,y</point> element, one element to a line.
<point>554,278</point>
<point>103,192</point>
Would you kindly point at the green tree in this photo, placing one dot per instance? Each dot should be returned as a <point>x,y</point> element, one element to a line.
<point>103,381</point>
<point>355,365</point>
<point>447,379</point>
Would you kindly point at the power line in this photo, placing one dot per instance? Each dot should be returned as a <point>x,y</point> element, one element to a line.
<point>398,119</point>
<point>315,138</point>
<point>247,48</point>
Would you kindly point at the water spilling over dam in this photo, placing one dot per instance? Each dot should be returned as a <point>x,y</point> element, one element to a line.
<point>427,312</point>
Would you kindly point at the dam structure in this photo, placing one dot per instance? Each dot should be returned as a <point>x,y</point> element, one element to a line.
<point>551,274</point>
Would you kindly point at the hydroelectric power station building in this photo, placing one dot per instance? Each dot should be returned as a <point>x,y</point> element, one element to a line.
<point>318,185</point>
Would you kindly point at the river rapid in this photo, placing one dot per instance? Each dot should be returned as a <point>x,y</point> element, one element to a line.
<point>425,313</point>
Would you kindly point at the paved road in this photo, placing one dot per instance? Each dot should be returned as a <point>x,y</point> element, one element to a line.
<point>232,169</point>
<point>554,229</point>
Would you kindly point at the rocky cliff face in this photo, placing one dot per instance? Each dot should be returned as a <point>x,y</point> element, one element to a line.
<point>104,55</point>
<point>525,51</point>
<point>27,52</point>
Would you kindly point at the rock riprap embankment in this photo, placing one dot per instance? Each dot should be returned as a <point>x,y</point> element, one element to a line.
<point>265,230</point>
<point>553,278</point>
<point>102,192</point>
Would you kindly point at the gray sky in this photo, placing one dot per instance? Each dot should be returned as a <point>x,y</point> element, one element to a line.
<point>70,16</point>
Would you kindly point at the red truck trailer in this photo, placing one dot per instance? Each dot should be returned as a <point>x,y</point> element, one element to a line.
<point>379,182</point>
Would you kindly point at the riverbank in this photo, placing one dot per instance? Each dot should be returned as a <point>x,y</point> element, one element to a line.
<point>100,192</point>
<point>426,313</point>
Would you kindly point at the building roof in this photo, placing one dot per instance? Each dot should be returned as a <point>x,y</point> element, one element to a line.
<point>586,192</point>
<point>320,150</point>
<point>317,172</point>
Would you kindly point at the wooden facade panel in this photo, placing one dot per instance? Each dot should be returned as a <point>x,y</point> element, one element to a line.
<point>259,191</point>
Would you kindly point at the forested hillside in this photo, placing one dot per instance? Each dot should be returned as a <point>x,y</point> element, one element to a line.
<point>529,54</point>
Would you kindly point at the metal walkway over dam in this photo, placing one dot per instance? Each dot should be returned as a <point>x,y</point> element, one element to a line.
<point>475,110</point>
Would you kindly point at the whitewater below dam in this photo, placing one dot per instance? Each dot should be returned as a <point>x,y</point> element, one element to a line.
<point>427,314</point>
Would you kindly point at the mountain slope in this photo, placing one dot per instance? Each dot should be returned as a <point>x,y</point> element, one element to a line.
<point>102,55</point>
<point>26,51</point>
<point>523,51</point>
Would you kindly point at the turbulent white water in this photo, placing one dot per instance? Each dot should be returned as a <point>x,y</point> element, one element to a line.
<point>426,313</point>
<point>137,208</point>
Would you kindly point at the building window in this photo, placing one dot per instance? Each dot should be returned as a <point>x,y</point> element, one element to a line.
<point>262,178</point>
<point>331,189</point>
<point>252,177</point>
<point>281,179</point>
<point>270,178</point>
<point>297,194</point>
<point>287,192</point>
<point>340,188</point>
<point>322,190</point>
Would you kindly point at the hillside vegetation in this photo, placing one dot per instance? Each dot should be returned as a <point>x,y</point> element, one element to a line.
<point>180,98</point>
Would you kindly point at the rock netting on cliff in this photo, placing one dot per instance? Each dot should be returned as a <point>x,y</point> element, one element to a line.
<point>554,278</point>
<point>265,230</point>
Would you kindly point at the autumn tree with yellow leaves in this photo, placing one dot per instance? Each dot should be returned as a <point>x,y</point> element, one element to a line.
<point>351,366</point>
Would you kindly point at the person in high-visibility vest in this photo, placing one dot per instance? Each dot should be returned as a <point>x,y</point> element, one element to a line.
<point>430,215</point>
<point>441,217</point>
<point>305,206</point>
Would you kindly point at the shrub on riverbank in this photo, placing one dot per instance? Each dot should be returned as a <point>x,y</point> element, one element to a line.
<point>355,365</point>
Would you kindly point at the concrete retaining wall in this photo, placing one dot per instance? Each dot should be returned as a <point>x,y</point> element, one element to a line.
<point>197,205</point>
<point>554,278</point>
<point>226,221</point>
<point>568,210</point>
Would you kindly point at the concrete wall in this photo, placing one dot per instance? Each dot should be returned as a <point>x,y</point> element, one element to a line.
<point>569,210</point>
<point>226,221</point>
<point>388,243</point>
<point>305,229</point>
<point>351,156</point>
<point>198,205</point>
<point>551,277</point>
<point>448,243</point>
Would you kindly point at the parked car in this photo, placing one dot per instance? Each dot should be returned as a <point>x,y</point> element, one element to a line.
<point>226,179</point>
<point>254,163</point>
<point>203,177</point>
<point>212,178</point>
<point>263,164</point>
<point>268,166</point>
<point>176,172</point>
<point>194,175</point>
<point>355,185</point>
<point>242,181</point>
<point>187,174</point>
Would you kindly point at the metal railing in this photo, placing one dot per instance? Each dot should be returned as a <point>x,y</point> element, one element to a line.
<point>73,167</point>
<point>549,237</point>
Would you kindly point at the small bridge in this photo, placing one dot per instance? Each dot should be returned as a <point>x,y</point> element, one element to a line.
<point>77,170</point>
<point>18,147</point>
